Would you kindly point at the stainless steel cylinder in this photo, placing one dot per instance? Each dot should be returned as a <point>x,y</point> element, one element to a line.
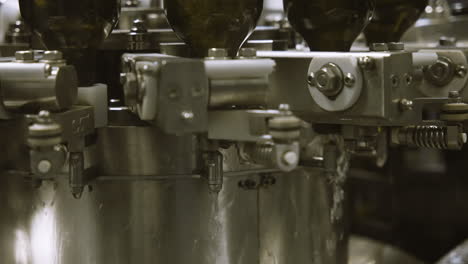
<point>176,221</point>
<point>120,220</point>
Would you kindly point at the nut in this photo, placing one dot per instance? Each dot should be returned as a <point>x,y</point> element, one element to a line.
<point>24,55</point>
<point>52,55</point>
<point>329,80</point>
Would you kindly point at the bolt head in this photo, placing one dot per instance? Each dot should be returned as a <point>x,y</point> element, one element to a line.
<point>247,53</point>
<point>290,158</point>
<point>461,71</point>
<point>396,46</point>
<point>187,115</point>
<point>217,53</point>
<point>349,80</point>
<point>138,26</point>
<point>454,95</point>
<point>24,55</point>
<point>329,80</point>
<point>44,166</point>
<point>52,55</point>
<point>366,63</point>
<point>440,73</point>
<point>378,47</point>
<point>406,105</point>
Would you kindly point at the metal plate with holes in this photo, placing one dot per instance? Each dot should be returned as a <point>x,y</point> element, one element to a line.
<point>349,94</point>
<point>182,96</point>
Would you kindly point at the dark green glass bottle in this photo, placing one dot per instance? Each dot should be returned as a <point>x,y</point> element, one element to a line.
<point>329,25</point>
<point>76,27</point>
<point>205,24</point>
<point>392,18</point>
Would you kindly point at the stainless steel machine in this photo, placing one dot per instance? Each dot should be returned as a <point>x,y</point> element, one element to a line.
<point>180,131</point>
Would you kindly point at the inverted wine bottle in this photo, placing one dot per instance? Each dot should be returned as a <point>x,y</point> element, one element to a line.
<point>329,25</point>
<point>76,27</point>
<point>205,24</point>
<point>392,18</point>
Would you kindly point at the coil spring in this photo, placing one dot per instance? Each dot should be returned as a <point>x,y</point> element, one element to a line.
<point>429,137</point>
<point>262,154</point>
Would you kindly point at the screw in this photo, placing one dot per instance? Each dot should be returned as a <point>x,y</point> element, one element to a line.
<point>44,114</point>
<point>44,166</point>
<point>461,71</point>
<point>349,80</point>
<point>366,63</point>
<point>290,158</point>
<point>409,79</point>
<point>138,26</point>
<point>406,105</point>
<point>187,115</point>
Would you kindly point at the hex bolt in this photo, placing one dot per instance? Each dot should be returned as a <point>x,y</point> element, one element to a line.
<point>396,46</point>
<point>440,73</point>
<point>378,47</point>
<point>366,63</point>
<point>290,158</point>
<point>329,80</point>
<point>349,80</point>
<point>217,53</point>
<point>44,166</point>
<point>52,55</point>
<point>247,53</point>
<point>461,71</point>
<point>406,105</point>
<point>24,55</point>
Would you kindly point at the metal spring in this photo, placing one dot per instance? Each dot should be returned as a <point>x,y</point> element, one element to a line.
<point>262,154</point>
<point>429,137</point>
